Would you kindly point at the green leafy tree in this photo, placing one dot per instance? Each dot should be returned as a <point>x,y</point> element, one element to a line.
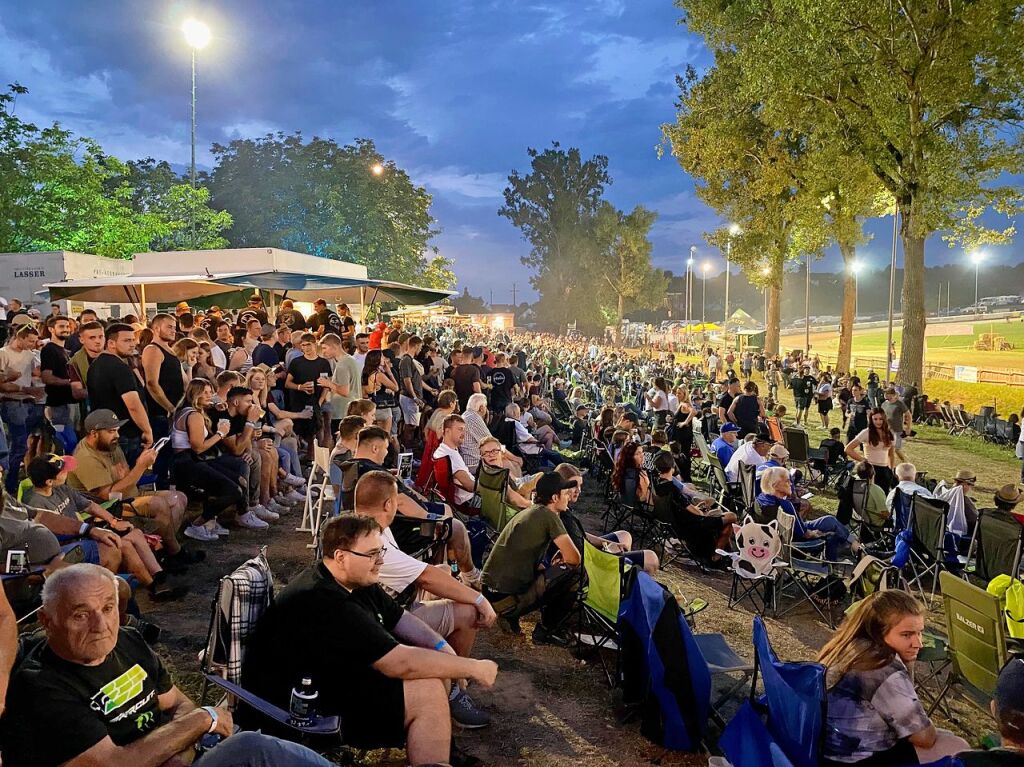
<point>623,264</point>
<point>321,198</point>
<point>927,95</point>
<point>555,206</point>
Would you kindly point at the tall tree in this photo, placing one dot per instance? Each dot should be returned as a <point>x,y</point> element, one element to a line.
<point>623,261</point>
<point>745,170</point>
<point>342,202</point>
<point>926,94</point>
<point>555,207</point>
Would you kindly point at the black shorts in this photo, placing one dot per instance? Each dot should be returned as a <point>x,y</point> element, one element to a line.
<point>824,405</point>
<point>375,717</point>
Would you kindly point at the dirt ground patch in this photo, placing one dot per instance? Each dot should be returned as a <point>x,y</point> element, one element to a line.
<point>548,708</point>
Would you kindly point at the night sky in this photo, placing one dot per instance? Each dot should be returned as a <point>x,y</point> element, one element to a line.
<point>454,91</point>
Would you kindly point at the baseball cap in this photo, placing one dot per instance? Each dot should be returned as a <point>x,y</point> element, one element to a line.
<point>778,451</point>
<point>550,484</point>
<point>102,419</point>
<point>49,466</point>
<point>22,319</point>
<point>728,427</point>
<point>1009,694</point>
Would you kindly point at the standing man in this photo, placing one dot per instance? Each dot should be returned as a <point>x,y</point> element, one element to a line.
<point>165,387</point>
<point>112,385</point>
<point>804,385</point>
<point>503,385</point>
<point>303,374</point>
<point>265,353</point>
<point>290,317</point>
<point>362,347</point>
<point>466,376</point>
<point>254,311</point>
<point>53,365</point>
<point>857,410</point>
<point>344,384</point>
<point>898,415</point>
<point>18,402</point>
<point>348,323</point>
<point>410,380</point>
<point>324,320</point>
<point>91,337</point>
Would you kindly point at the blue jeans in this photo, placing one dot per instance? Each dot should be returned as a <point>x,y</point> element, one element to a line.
<point>21,418</point>
<point>840,534</point>
<point>161,426</point>
<point>253,749</point>
<point>131,447</point>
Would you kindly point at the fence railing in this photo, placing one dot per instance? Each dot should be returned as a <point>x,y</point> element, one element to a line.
<point>1004,376</point>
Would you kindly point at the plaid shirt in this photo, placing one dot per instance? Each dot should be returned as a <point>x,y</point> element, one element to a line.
<point>476,430</point>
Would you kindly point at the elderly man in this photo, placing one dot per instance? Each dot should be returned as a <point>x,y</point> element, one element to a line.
<point>385,671</point>
<point>725,445</point>
<point>454,610</point>
<point>752,452</point>
<point>114,700</point>
<point>906,475</point>
<point>476,430</point>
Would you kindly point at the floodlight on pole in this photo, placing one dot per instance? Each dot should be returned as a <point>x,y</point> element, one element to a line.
<point>703,290</point>
<point>689,288</point>
<point>377,169</point>
<point>197,35</point>
<point>976,257</point>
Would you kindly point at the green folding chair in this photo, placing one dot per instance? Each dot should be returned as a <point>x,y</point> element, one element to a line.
<point>601,595</point>
<point>491,484</point>
<point>995,547</point>
<point>976,644</point>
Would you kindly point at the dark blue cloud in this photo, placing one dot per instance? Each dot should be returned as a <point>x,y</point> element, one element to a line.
<point>453,91</point>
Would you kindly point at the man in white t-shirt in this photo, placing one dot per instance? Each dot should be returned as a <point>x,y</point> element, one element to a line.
<point>453,431</point>
<point>456,613</point>
<point>752,453</point>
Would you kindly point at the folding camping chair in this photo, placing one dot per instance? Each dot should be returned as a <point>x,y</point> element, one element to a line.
<point>775,429</point>
<point>242,597</point>
<point>977,641</point>
<point>806,570</point>
<point>748,485</point>
<point>726,665</point>
<point>425,474</point>
<point>728,494</point>
<point>704,467</point>
<point>600,597</point>
<point>491,484</point>
<point>319,495</point>
<point>798,444</point>
<point>928,556</point>
<point>995,546</point>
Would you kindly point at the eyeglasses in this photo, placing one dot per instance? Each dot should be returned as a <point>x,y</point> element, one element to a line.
<point>377,554</point>
<point>496,451</point>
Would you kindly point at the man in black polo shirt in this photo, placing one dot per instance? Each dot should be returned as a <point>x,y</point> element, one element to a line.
<point>254,311</point>
<point>53,364</point>
<point>324,321</point>
<point>93,694</point>
<point>384,671</point>
<point>290,317</point>
<point>113,386</point>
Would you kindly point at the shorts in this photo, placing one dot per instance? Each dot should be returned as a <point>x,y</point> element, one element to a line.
<point>375,718</point>
<point>802,403</point>
<point>439,614</point>
<point>824,405</point>
<point>90,550</point>
<point>897,440</point>
<point>410,410</point>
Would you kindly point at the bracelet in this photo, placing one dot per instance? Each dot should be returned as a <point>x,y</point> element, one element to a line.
<point>441,644</point>
<point>214,716</point>
<point>479,600</point>
<point>84,529</point>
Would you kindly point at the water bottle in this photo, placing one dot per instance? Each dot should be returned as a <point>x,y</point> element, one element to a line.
<point>302,705</point>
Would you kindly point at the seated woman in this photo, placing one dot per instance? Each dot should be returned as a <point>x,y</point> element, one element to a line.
<point>495,455</point>
<point>776,489</point>
<point>874,716</point>
<point>702,532</point>
<point>629,479</point>
<point>875,508</point>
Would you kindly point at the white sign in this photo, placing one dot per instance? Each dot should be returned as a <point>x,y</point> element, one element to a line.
<point>965,373</point>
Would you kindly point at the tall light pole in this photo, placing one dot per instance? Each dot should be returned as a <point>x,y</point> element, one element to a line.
<point>734,230</point>
<point>689,288</point>
<point>976,257</point>
<point>703,291</point>
<point>197,35</point>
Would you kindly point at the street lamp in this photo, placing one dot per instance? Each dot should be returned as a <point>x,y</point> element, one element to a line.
<point>689,288</point>
<point>734,230</point>
<point>197,35</point>
<point>976,257</point>
<point>855,267</point>
<point>703,291</point>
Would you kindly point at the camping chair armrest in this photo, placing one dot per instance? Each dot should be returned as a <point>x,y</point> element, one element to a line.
<point>809,548</point>
<point>817,454</point>
<point>328,725</point>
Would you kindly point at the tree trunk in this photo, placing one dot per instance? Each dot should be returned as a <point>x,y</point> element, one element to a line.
<point>911,370</point>
<point>772,331</point>
<point>849,309</point>
<point>620,314</point>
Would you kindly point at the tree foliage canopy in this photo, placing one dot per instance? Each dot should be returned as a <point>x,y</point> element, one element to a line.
<point>321,198</point>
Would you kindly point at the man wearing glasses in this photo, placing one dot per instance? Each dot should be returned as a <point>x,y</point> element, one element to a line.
<point>382,669</point>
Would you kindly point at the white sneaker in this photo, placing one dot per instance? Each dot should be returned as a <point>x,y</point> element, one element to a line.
<point>264,513</point>
<point>200,533</point>
<point>217,528</point>
<point>294,480</point>
<point>251,521</point>
<point>294,496</point>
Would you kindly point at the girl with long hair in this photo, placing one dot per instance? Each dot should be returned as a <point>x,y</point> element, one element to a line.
<point>628,478</point>
<point>879,448</point>
<point>380,387</point>
<point>195,441</point>
<point>874,716</point>
<point>187,352</point>
<point>680,431</point>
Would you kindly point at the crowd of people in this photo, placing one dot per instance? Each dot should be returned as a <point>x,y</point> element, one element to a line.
<point>125,438</point>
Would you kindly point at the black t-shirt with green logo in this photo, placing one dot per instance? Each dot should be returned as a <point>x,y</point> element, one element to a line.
<point>57,710</point>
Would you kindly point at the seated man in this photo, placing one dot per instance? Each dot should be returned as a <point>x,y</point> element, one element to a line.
<point>453,432</point>
<point>50,492</point>
<point>1008,711</point>
<point>619,542</point>
<point>528,443</point>
<point>580,425</point>
<point>516,581</point>
<point>752,452</point>
<point>702,532</point>
<point>382,669</point>
<point>458,610</point>
<point>725,445</point>
<point>777,456</point>
<point>906,475</point>
<point>101,469</point>
<point>114,699</point>
<point>371,449</point>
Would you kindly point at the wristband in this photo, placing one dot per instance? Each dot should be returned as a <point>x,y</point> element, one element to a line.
<point>441,644</point>
<point>214,716</point>
<point>479,600</point>
<point>84,529</point>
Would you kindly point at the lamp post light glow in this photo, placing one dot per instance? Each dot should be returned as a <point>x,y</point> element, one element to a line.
<point>197,35</point>
<point>734,231</point>
<point>689,289</point>
<point>377,169</point>
<point>976,258</point>
<point>703,291</point>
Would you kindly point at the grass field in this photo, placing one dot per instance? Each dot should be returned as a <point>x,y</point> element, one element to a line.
<point>943,350</point>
